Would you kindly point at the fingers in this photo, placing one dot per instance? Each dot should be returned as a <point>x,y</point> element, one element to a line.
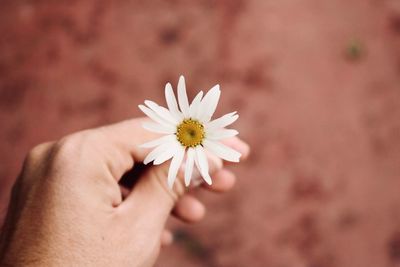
<point>223,180</point>
<point>152,197</point>
<point>189,209</point>
<point>118,145</point>
<point>127,136</point>
<point>151,201</point>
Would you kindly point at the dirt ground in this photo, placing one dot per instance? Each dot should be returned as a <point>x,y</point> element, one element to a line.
<point>316,83</point>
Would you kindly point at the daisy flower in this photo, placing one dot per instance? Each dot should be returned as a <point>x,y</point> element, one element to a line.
<point>188,129</point>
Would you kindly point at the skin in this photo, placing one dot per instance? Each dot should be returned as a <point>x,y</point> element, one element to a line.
<point>68,208</point>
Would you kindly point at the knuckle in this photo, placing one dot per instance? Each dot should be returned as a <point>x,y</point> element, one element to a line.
<point>64,153</point>
<point>74,145</point>
<point>35,163</point>
<point>65,149</point>
<point>36,153</point>
<point>74,152</point>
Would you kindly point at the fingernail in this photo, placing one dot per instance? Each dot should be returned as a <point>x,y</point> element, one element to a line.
<point>243,148</point>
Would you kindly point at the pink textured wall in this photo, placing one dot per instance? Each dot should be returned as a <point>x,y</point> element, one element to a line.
<point>317,85</point>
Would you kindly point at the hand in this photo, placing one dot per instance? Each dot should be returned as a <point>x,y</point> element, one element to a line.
<point>68,208</point>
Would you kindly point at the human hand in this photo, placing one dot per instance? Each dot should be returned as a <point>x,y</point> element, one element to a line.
<point>68,208</point>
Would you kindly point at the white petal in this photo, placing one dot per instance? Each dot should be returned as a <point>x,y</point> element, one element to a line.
<point>209,104</point>
<point>158,128</point>
<point>159,141</point>
<point>171,102</point>
<point>161,112</point>
<point>167,154</point>
<point>152,115</point>
<point>202,164</point>
<point>194,107</point>
<point>222,151</point>
<point>182,97</point>
<point>170,98</point>
<point>175,165</point>
<point>158,151</point>
<point>189,165</point>
<point>222,121</point>
<point>221,134</point>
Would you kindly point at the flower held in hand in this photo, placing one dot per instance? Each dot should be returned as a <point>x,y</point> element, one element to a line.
<point>189,129</point>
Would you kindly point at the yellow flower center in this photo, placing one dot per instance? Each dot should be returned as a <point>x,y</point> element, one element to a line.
<point>190,133</point>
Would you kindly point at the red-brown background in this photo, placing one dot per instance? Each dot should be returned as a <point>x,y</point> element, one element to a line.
<point>317,85</point>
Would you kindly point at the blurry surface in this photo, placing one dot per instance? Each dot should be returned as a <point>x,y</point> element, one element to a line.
<point>316,84</point>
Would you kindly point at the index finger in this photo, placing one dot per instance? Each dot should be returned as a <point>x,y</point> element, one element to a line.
<point>128,135</point>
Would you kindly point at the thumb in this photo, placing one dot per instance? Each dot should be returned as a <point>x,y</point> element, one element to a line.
<point>152,200</point>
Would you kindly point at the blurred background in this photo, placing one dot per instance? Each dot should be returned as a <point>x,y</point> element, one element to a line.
<point>316,83</point>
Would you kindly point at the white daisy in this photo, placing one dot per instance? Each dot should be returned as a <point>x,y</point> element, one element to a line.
<point>188,129</point>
